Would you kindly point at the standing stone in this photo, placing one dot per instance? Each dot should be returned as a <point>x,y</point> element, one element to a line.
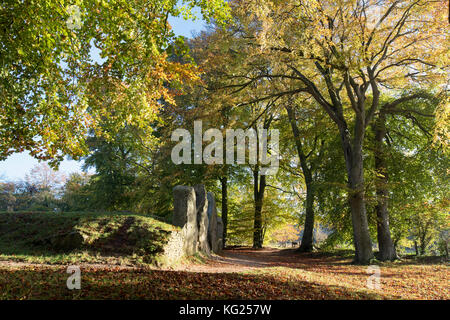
<point>185,216</point>
<point>212,228</point>
<point>202,218</point>
<point>219,234</point>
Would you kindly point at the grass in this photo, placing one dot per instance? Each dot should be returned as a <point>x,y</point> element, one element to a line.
<point>332,281</point>
<point>50,283</point>
<point>336,275</point>
<point>112,238</point>
<point>119,249</point>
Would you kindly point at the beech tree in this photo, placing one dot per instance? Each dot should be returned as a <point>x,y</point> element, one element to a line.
<point>409,111</point>
<point>410,171</point>
<point>53,91</point>
<point>344,55</point>
<point>309,133</point>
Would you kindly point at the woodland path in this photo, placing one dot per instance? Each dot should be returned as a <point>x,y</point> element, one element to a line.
<point>244,259</point>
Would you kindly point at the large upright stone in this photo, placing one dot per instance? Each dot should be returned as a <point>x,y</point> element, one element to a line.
<point>212,228</point>
<point>219,234</point>
<point>202,218</point>
<point>185,216</point>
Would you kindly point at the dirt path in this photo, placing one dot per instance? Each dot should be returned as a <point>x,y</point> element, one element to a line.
<point>404,278</point>
<point>230,260</point>
<point>244,259</point>
<point>277,273</point>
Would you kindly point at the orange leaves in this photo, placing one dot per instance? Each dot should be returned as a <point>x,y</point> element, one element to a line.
<point>286,233</point>
<point>59,81</point>
<point>307,276</point>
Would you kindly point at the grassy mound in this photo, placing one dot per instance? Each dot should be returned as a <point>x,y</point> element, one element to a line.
<point>114,238</point>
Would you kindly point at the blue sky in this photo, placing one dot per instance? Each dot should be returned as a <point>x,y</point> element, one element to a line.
<point>18,164</point>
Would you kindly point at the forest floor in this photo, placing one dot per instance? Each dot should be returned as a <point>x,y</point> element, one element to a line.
<point>238,273</point>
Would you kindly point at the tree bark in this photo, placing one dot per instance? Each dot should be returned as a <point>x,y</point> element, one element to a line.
<point>352,147</point>
<point>308,232</point>
<point>422,248</point>
<point>355,173</point>
<point>385,244</point>
<point>423,240</point>
<point>259,185</point>
<point>224,183</point>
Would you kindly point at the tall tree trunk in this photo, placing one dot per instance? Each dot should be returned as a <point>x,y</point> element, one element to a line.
<point>224,183</point>
<point>308,232</point>
<point>385,244</point>
<point>423,240</point>
<point>259,185</point>
<point>416,248</point>
<point>422,248</point>
<point>355,173</point>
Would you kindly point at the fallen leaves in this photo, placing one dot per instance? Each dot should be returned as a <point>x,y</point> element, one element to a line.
<point>296,276</point>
